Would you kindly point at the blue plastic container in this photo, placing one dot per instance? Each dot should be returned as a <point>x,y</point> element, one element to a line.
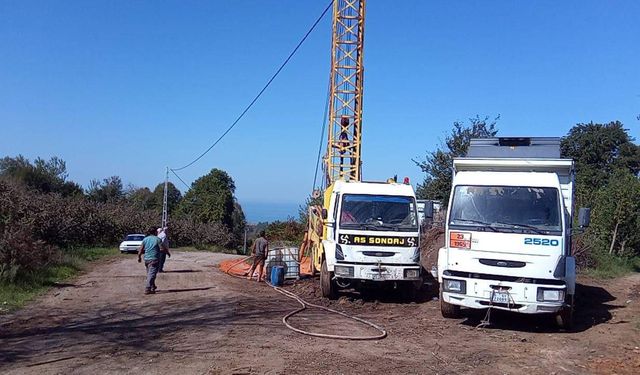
<point>277,275</point>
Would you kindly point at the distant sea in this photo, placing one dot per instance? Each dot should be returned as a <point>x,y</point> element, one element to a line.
<point>256,212</point>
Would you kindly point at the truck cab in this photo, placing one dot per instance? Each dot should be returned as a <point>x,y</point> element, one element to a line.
<point>370,237</point>
<point>508,230</point>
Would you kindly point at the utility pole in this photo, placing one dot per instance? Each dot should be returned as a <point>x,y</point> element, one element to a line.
<point>165,211</point>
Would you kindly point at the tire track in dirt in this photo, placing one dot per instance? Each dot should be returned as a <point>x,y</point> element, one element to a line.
<point>203,321</point>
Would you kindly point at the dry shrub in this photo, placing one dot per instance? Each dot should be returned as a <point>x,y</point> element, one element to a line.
<point>33,225</point>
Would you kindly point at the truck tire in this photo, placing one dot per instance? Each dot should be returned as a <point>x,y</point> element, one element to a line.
<point>564,318</point>
<point>449,310</point>
<point>327,286</point>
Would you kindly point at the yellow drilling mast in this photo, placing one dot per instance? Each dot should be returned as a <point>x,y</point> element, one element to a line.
<point>365,234</point>
<point>342,160</point>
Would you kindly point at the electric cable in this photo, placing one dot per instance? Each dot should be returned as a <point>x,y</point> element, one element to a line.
<point>255,99</point>
<point>181,180</point>
<point>324,125</point>
<point>304,304</point>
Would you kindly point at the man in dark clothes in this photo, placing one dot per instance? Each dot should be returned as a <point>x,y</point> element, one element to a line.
<point>260,250</point>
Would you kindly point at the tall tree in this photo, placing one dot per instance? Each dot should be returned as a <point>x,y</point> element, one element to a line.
<point>174,196</point>
<point>45,176</point>
<point>438,163</point>
<point>210,199</point>
<point>238,221</point>
<point>108,190</point>
<point>140,198</point>
<point>599,150</point>
<point>616,216</point>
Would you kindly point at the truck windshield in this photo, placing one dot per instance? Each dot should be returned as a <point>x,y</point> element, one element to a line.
<point>378,212</point>
<point>507,208</point>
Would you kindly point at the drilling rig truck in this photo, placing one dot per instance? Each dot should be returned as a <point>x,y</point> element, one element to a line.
<point>365,234</point>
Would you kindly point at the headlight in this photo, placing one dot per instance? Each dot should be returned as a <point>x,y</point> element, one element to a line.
<point>343,271</point>
<point>411,274</point>
<point>454,286</point>
<point>550,295</point>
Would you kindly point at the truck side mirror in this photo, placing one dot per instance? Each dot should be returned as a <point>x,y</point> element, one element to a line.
<point>428,210</point>
<point>584,217</point>
<point>324,214</point>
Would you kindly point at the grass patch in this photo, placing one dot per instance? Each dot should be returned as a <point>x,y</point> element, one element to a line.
<point>611,266</point>
<point>28,286</point>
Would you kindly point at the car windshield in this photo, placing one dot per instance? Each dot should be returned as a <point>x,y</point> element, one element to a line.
<point>378,212</point>
<point>134,237</point>
<point>507,208</point>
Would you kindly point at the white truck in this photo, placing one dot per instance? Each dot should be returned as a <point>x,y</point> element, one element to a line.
<point>371,237</point>
<point>509,228</point>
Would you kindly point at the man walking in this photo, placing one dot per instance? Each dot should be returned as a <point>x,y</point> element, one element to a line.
<point>162,235</point>
<point>260,250</point>
<point>151,247</point>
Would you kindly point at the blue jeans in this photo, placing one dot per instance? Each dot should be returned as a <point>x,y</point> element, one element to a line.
<point>152,272</point>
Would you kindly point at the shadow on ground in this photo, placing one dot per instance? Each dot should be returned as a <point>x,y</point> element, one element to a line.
<point>121,327</point>
<point>592,308</point>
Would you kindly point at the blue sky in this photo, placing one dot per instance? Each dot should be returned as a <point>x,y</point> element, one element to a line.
<point>129,87</point>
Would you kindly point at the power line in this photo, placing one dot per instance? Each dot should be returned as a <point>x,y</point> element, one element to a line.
<point>263,89</point>
<point>181,180</point>
<point>324,124</point>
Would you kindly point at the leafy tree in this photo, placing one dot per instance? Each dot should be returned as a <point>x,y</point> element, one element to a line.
<point>438,164</point>
<point>616,216</point>
<point>599,150</point>
<point>45,176</point>
<point>141,198</point>
<point>108,190</point>
<point>174,196</point>
<point>210,199</point>
<point>239,222</point>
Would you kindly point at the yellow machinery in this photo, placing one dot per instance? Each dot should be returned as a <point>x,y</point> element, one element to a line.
<point>365,234</point>
<point>342,160</point>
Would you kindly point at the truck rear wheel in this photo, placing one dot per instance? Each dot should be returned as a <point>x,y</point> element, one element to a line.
<point>327,286</point>
<point>449,310</point>
<point>564,318</point>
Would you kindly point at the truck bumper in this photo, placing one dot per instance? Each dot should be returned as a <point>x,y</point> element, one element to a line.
<point>377,272</point>
<point>522,297</point>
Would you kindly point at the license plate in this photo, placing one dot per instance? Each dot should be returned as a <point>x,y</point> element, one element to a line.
<point>500,297</point>
<point>377,276</point>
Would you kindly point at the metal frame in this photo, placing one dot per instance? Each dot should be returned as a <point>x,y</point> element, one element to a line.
<point>342,160</point>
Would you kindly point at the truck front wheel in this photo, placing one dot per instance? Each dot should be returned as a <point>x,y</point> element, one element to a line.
<point>564,318</point>
<point>449,310</point>
<point>327,286</point>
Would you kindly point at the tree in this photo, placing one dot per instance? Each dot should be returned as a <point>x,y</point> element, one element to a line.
<point>438,164</point>
<point>210,199</point>
<point>45,176</point>
<point>174,196</point>
<point>108,190</point>
<point>599,150</point>
<point>140,198</point>
<point>616,215</point>
<point>238,221</point>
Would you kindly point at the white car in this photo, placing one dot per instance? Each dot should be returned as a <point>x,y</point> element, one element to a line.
<point>131,243</point>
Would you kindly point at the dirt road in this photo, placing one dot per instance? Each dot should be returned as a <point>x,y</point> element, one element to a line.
<point>205,322</point>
